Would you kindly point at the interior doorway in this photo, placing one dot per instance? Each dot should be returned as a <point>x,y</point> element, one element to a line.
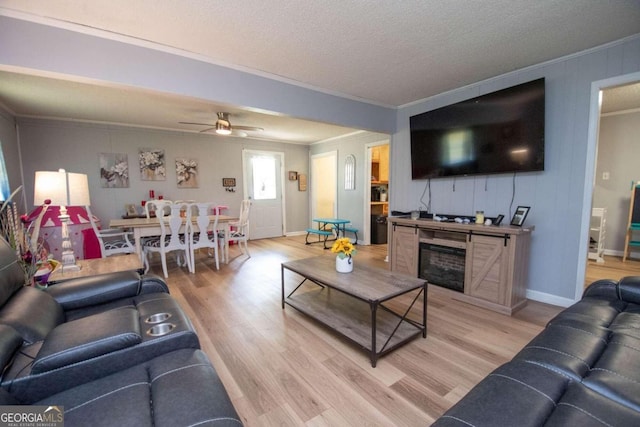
<point>590,173</point>
<point>324,185</point>
<point>377,193</point>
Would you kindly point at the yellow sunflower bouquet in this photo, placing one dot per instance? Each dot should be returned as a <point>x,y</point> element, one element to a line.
<point>344,248</point>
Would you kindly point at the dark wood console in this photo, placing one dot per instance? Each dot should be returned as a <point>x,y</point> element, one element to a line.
<point>496,259</point>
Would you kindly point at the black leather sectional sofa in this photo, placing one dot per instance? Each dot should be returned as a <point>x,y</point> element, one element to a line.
<point>113,349</point>
<point>582,370</point>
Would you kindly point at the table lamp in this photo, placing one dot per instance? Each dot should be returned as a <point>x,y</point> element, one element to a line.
<point>63,189</point>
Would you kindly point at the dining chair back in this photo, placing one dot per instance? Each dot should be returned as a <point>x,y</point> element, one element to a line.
<point>239,230</point>
<point>154,205</point>
<point>174,232</point>
<point>204,233</point>
<point>112,240</point>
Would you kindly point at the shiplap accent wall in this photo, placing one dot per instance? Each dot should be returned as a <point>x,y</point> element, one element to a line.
<point>555,195</point>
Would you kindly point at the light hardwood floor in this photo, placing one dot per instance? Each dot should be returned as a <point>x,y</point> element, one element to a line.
<point>282,368</point>
<point>612,268</point>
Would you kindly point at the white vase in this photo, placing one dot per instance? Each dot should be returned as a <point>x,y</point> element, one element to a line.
<point>344,265</point>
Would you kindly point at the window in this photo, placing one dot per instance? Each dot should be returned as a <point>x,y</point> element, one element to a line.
<point>4,178</point>
<point>263,170</point>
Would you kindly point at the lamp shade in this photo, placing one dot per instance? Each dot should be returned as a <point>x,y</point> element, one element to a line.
<point>62,188</point>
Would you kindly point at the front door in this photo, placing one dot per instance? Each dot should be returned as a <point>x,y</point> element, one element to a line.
<point>263,186</point>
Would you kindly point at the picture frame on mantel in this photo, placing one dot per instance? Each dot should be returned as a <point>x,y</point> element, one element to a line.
<point>520,215</point>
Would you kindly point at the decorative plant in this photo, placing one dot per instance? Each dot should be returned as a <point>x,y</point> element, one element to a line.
<point>344,248</point>
<point>23,238</point>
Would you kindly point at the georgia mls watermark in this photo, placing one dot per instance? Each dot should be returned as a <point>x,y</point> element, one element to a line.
<point>31,416</point>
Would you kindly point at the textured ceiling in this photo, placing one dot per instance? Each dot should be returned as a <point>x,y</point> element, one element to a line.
<point>386,52</point>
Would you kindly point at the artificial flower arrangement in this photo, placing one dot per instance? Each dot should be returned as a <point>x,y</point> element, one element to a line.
<point>344,248</point>
<point>23,237</point>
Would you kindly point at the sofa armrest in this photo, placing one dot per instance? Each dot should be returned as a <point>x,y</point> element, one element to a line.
<point>629,289</point>
<point>152,284</point>
<point>87,338</point>
<point>606,288</point>
<point>87,291</point>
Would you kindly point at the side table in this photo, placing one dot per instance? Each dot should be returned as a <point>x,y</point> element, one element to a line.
<point>92,267</point>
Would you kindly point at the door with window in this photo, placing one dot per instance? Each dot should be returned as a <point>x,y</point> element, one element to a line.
<point>263,171</point>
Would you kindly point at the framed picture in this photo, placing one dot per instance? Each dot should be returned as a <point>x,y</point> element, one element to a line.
<point>228,182</point>
<point>131,209</point>
<point>187,173</point>
<point>293,176</point>
<point>114,170</point>
<point>152,164</point>
<point>520,216</point>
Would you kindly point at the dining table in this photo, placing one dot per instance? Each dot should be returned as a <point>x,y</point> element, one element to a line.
<point>148,227</point>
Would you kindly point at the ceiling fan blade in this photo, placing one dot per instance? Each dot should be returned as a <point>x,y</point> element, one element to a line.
<point>200,124</point>
<point>249,128</point>
<point>207,130</point>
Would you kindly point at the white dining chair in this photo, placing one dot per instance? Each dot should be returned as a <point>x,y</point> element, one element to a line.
<point>238,231</point>
<point>153,206</point>
<point>112,240</point>
<point>173,236</point>
<point>204,234</point>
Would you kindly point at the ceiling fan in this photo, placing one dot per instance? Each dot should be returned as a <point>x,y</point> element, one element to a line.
<point>223,126</point>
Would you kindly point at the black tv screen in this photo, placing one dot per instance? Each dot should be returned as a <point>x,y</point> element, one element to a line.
<point>500,132</point>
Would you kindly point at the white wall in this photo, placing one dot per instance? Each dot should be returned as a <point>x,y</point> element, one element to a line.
<point>50,145</point>
<point>555,195</point>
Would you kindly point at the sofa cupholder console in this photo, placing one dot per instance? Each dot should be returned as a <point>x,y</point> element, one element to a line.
<point>157,318</point>
<point>161,329</point>
<point>102,343</point>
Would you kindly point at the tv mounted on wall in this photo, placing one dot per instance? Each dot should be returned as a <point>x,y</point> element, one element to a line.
<point>499,132</point>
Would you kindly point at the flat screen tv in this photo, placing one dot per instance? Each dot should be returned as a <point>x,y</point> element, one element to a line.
<point>500,132</point>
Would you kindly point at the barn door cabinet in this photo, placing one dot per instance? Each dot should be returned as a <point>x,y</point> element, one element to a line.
<point>496,258</point>
<point>404,253</point>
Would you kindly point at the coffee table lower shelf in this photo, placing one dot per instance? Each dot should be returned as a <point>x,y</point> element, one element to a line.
<point>368,325</point>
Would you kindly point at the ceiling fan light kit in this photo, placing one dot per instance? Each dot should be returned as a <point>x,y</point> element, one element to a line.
<point>223,129</point>
<point>223,126</point>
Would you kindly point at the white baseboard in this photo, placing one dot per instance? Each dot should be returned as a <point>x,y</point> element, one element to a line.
<point>549,299</point>
<point>613,252</point>
<point>295,233</point>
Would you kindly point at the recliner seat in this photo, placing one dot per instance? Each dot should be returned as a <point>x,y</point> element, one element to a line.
<point>583,369</point>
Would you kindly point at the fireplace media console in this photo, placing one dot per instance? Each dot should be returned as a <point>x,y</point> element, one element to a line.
<point>484,265</point>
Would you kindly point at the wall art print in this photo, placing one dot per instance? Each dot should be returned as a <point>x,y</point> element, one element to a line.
<point>152,164</point>
<point>187,173</point>
<point>114,170</point>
